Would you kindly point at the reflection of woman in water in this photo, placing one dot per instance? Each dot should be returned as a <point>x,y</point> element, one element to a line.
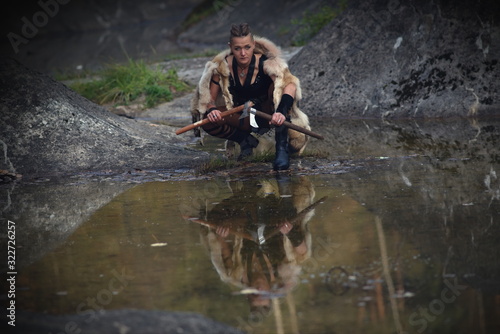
<point>258,242</point>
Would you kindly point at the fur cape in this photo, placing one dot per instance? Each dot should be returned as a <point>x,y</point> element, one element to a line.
<point>273,66</point>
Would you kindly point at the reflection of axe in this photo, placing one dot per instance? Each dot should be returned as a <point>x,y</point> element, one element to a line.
<point>214,226</point>
<point>285,123</point>
<point>295,219</point>
<point>259,237</point>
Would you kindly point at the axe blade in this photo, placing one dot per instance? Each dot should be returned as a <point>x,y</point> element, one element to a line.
<point>245,110</point>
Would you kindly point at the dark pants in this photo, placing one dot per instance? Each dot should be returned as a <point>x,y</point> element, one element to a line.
<point>233,128</point>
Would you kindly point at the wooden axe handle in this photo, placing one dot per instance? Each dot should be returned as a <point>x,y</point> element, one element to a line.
<point>290,125</point>
<point>258,113</point>
<point>214,226</point>
<point>205,120</point>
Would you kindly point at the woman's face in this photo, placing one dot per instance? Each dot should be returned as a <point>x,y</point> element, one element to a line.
<point>242,49</point>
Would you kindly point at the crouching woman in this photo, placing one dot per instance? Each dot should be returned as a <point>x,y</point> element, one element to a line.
<point>251,70</point>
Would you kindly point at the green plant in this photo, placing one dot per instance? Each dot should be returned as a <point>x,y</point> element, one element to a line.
<point>311,23</point>
<point>156,94</point>
<point>124,83</point>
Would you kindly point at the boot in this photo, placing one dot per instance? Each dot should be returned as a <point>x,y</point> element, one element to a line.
<point>282,159</point>
<point>247,145</point>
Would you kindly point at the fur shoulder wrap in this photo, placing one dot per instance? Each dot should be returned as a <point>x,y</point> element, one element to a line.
<point>273,66</point>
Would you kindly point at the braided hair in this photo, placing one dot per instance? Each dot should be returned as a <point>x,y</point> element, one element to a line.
<point>240,30</point>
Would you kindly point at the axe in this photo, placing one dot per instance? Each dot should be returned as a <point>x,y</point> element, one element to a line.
<point>205,120</point>
<point>285,123</point>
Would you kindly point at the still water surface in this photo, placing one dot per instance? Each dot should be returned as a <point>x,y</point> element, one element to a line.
<point>403,236</point>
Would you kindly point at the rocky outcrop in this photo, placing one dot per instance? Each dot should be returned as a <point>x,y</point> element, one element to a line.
<point>49,129</point>
<point>66,35</point>
<point>384,58</point>
<point>46,213</point>
<point>56,35</point>
<point>271,19</point>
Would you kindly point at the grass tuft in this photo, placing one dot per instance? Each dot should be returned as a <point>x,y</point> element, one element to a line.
<point>126,83</point>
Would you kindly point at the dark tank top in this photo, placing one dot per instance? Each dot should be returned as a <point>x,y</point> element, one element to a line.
<point>256,91</point>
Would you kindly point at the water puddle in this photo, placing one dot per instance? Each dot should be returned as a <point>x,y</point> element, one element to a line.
<point>400,237</point>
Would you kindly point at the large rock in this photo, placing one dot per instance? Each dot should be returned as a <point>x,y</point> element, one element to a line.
<point>83,34</point>
<point>390,58</point>
<point>47,213</point>
<point>62,35</point>
<point>271,19</point>
<point>46,128</point>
